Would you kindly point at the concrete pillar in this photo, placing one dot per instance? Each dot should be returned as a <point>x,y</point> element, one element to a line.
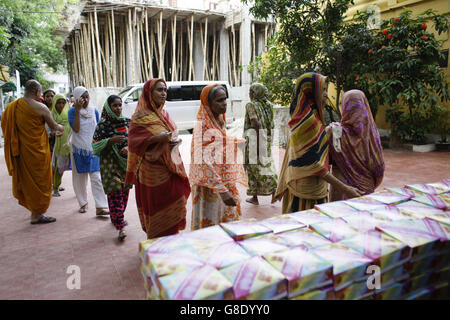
<point>198,55</point>
<point>224,50</point>
<point>246,46</point>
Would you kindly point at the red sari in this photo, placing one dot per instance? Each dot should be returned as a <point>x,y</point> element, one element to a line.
<point>161,184</point>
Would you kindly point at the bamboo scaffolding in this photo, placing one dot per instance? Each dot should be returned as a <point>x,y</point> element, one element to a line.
<point>174,48</point>
<point>113,47</point>
<point>149,48</point>
<point>99,49</point>
<point>130,48</point>
<point>191,47</point>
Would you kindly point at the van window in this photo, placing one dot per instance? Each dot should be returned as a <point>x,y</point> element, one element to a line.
<point>136,94</point>
<point>187,92</point>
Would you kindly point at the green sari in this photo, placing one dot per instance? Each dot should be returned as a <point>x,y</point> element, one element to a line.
<point>260,168</point>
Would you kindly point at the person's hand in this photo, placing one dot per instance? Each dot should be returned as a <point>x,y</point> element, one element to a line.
<point>227,198</point>
<point>57,133</point>
<point>165,136</point>
<point>117,139</point>
<point>79,104</point>
<point>276,198</point>
<point>59,128</point>
<point>352,192</point>
<point>124,152</point>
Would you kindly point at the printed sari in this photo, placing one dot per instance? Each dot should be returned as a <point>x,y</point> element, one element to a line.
<point>161,183</point>
<point>306,156</point>
<point>356,151</point>
<point>216,167</point>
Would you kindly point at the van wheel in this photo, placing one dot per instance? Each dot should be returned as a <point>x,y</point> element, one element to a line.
<point>190,131</point>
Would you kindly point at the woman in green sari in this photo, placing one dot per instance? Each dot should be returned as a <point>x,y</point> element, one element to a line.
<point>258,132</point>
<point>61,148</point>
<point>110,143</point>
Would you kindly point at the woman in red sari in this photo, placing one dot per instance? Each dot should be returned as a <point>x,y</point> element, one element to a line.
<point>155,166</point>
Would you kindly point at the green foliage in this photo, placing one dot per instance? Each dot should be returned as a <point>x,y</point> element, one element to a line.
<point>277,71</point>
<point>400,68</point>
<point>26,35</point>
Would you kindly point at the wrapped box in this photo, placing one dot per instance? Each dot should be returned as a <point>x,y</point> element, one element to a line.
<point>355,291</point>
<point>348,265</point>
<point>163,244</point>
<point>245,229</point>
<point>336,209</point>
<point>306,237</point>
<point>439,276</point>
<point>201,283</point>
<point>158,264</point>
<point>419,265</point>
<point>439,201</point>
<point>416,283</point>
<point>382,249</point>
<point>430,188</point>
<point>326,293</point>
<point>309,217</point>
<point>151,291</point>
<point>406,192</point>
<point>442,185</point>
<point>207,237</point>
<point>422,294</point>
<point>282,223</point>
<point>223,255</point>
<point>255,279</point>
<point>365,220</point>
<point>442,217</point>
<point>364,203</point>
<point>392,292</point>
<point>303,270</point>
<point>388,197</point>
<point>417,210</point>
<point>422,235</point>
<point>264,244</point>
<point>394,275</point>
<point>335,230</point>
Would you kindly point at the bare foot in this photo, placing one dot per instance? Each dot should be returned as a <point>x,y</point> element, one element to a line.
<point>253,200</point>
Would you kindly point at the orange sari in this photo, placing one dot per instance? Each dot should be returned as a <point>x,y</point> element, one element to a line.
<point>27,156</point>
<point>216,167</point>
<point>161,184</point>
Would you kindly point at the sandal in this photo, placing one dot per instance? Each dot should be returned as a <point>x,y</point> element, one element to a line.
<point>44,219</point>
<point>102,212</point>
<point>83,209</point>
<point>122,235</point>
<point>56,193</point>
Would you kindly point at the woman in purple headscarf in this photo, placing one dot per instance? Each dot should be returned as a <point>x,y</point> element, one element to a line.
<point>356,149</point>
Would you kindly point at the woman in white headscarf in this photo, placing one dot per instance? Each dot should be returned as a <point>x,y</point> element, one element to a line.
<point>83,118</point>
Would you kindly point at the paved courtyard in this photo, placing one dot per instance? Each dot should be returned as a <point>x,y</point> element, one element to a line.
<point>34,259</point>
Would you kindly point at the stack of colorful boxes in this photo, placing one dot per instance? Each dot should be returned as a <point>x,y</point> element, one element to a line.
<point>392,244</point>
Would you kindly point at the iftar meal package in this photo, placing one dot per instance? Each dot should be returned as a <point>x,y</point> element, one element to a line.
<point>388,245</point>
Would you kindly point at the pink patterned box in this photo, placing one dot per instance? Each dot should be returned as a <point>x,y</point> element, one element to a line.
<point>245,229</point>
<point>394,212</point>
<point>310,216</point>
<point>410,193</point>
<point>366,220</point>
<point>256,279</point>
<point>263,244</point>
<point>417,210</point>
<point>382,249</point>
<point>207,237</point>
<point>282,223</point>
<point>303,270</point>
<point>202,283</point>
<point>439,201</point>
<point>364,203</point>
<point>429,188</point>
<point>335,230</point>
<point>388,197</point>
<point>223,255</point>
<point>336,209</point>
<point>306,237</point>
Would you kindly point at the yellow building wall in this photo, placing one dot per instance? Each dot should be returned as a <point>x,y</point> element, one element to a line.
<point>393,8</point>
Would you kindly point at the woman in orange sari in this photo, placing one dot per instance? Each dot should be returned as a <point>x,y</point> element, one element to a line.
<point>216,163</point>
<point>155,166</point>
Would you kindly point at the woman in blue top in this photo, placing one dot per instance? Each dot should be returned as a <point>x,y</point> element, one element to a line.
<point>83,118</point>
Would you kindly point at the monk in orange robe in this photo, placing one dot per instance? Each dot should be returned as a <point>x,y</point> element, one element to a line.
<point>27,152</point>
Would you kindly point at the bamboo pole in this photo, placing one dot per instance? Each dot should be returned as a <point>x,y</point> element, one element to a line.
<point>137,46</point>
<point>142,46</point>
<point>149,47</point>
<point>98,48</point>
<point>174,48</point>
<point>113,46</point>
<point>93,51</point>
<point>107,52</point>
<point>87,76</point>
<point>160,35</point>
<point>204,47</point>
<point>131,48</point>
<point>180,53</point>
<point>191,47</point>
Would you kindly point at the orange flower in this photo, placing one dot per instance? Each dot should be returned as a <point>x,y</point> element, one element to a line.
<point>357,78</point>
<point>383,47</point>
<point>389,36</point>
<point>425,38</point>
<point>385,32</point>
<point>423,26</point>
<point>356,82</point>
<point>367,77</point>
<point>370,51</point>
<point>396,19</point>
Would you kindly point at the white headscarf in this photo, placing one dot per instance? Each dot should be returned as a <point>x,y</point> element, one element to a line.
<point>89,110</point>
<point>83,139</point>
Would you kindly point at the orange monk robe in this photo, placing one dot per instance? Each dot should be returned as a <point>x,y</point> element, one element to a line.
<point>27,156</point>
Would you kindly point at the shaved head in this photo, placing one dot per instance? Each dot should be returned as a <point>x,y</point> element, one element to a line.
<point>32,87</point>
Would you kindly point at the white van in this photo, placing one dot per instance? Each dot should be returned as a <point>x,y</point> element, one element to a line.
<point>182,103</point>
